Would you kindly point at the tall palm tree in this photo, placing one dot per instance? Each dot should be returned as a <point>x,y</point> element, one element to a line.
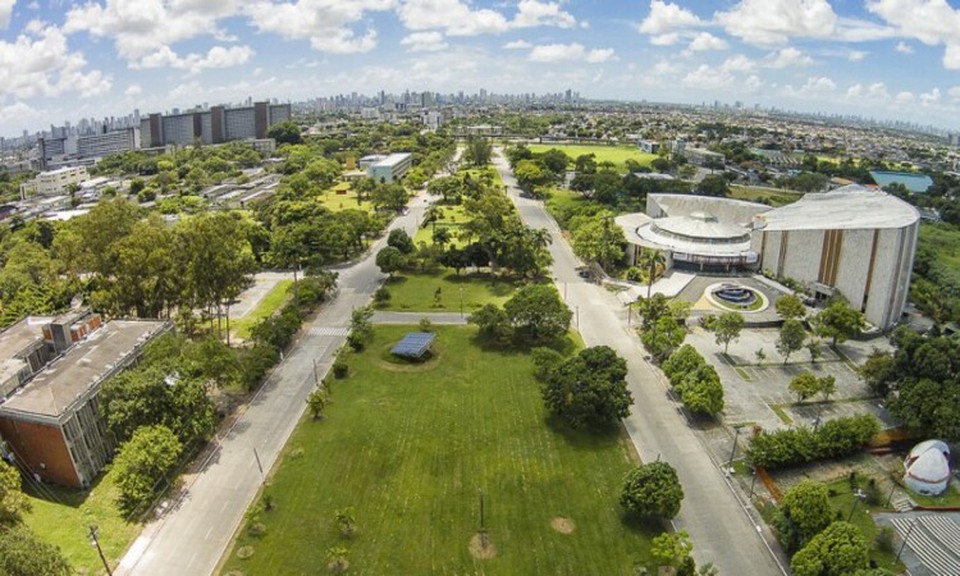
<point>651,259</point>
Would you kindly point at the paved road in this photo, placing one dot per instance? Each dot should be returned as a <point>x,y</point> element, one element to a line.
<point>450,318</point>
<point>191,538</point>
<point>712,513</point>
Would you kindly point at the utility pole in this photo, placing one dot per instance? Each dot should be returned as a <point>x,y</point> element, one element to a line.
<point>96,543</point>
<point>734,451</point>
<point>316,374</point>
<point>905,538</point>
<point>259,466</point>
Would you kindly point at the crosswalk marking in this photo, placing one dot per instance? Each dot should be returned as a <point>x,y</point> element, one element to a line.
<point>329,331</point>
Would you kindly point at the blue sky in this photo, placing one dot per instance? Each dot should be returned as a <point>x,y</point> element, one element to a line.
<point>62,60</point>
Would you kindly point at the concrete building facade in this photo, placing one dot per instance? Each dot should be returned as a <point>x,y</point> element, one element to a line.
<point>55,181</point>
<point>113,142</point>
<point>852,241</point>
<point>391,168</point>
<point>217,125</point>
<point>51,421</point>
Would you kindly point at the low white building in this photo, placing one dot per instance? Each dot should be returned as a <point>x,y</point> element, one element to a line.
<point>54,181</point>
<point>928,468</point>
<point>389,169</point>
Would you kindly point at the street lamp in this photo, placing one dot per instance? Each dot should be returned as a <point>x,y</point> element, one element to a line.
<point>734,451</point>
<point>857,497</point>
<point>905,539</point>
<point>95,542</point>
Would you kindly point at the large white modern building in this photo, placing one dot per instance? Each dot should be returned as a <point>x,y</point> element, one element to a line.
<point>390,168</point>
<point>852,241</point>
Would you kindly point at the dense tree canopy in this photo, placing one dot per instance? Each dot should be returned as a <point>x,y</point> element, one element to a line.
<point>803,513</point>
<point>537,312</point>
<point>142,463</point>
<point>652,491</point>
<point>22,553</point>
<point>13,502</point>
<point>589,389</point>
<point>839,550</point>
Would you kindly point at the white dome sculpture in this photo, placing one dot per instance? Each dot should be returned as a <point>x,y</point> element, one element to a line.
<point>928,468</point>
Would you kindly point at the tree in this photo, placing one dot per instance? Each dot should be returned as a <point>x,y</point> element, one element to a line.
<point>713,185</point>
<point>672,549</point>
<point>478,151</point>
<point>839,550</point>
<point>286,132</point>
<point>555,160</point>
<point>878,372</point>
<point>651,260</point>
<point>455,258</point>
<point>589,388</point>
<point>805,385</point>
<point>316,402</point>
<point>803,513</point>
<point>400,240</point>
<point>702,391</point>
<point>683,361</point>
<point>792,336</point>
<point>652,491</point>
<point>390,260</point>
<point>597,241</point>
<point>790,307</point>
<point>492,322</point>
<point>13,503</point>
<point>725,327</point>
<point>538,312</point>
<point>828,386</point>
<point>530,174</point>
<point>389,197</point>
<point>361,322</point>
<point>839,321</point>
<point>23,554</point>
<point>142,463</point>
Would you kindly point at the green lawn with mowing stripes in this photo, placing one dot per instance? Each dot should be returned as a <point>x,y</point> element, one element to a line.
<point>408,447</point>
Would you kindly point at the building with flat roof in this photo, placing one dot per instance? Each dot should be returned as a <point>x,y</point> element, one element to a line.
<point>390,168</point>
<point>852,241</point>
<point>54,182</point>
<point>113,142</point>
<point>50,417</point>
<point>217,125</point>
<point>702,157</point>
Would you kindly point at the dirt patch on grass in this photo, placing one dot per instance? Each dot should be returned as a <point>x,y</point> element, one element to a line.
<point>481,547</point>
<point>563,525</point>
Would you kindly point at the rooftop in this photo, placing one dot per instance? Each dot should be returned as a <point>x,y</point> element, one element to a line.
<point>14,340</point>
<point>81,368</point>
<point>393,159</point>
<point>849,208</point>
<point>916,183</point>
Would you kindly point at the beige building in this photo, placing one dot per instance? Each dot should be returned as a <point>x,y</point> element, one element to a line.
<point>54,181</point>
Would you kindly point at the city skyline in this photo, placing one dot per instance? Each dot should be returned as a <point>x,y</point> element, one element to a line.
<point>886,59</point>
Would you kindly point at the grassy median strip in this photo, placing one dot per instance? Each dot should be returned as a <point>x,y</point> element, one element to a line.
<point>409,446</point>
<point>270,303</point>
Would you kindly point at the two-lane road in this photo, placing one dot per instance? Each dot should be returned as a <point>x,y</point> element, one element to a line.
<point>712,514</point>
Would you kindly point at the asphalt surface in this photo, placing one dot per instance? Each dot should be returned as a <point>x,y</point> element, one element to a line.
<point>712,513</point>
<point>193,534</point>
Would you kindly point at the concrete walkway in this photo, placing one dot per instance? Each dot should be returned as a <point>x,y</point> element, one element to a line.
<point>712,513</point>
<point>445,318</point>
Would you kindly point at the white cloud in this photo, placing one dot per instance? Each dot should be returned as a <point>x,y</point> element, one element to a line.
<point>904,48</point>
<point>665,68</point>
<point>133,90</point>
<point>876,92</point>
<point>6,11</point>
<point>705,41</point>
<point>42,65</point>
<point>787,57</point>
<point>517,45</point>
<point>707,78</point>
<point>533,13</point>
<point>767,22</point>
<point>816,87</point>
<point>738,63</point>
<point>458,18</point>
<point>665,39</point>
<point>425,42</point>
<point>954,92</point>
<point>328,25</point>
<point>18,111</point>
<point>857,55</point>
<point>930,98</point>
<point>932,22</point>
<point>216,57</point>
<point>904,97</point>
<point>574,52</point>
<point>665,18</point>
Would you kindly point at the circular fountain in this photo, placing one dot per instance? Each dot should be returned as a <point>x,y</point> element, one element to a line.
<point>736,297</point>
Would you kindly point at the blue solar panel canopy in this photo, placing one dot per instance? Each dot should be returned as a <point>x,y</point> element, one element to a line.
<point>414,344</point>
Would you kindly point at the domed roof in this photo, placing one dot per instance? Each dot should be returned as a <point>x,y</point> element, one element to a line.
<point>928,470</point>
<point>700,226</point>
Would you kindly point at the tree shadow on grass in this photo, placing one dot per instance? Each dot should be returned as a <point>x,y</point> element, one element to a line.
<point>585,437</point>
<point>648,527</point>
<point>395,281</point>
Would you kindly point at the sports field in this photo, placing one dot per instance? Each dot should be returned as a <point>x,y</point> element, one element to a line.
<point>616,154</point>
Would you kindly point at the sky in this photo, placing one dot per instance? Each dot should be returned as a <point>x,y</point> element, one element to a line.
<point>62,60</point>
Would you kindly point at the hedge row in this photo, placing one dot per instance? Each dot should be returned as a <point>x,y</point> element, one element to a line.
<point>794,446</point>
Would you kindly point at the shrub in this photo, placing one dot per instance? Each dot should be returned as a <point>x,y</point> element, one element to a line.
<point>652,491</point>
<point>425,325</point>
<point>356,341</point>
<point>382,296</point>
<point>545,360</point>
<point>836,438</point>
<point>340,370</point>
<point>255,362</point>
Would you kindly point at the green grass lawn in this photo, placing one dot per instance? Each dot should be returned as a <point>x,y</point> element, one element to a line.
<point>616,154</point>
<point>843,504</point>
<point>62,517</point>
<point>945,242</point>
<point>454,217</point>
<point>758,194</point>
<point>409,446</point>
<point>950,498</point>
<point>415,292</point>
<point>342,197</point>
<point>270,303</point>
